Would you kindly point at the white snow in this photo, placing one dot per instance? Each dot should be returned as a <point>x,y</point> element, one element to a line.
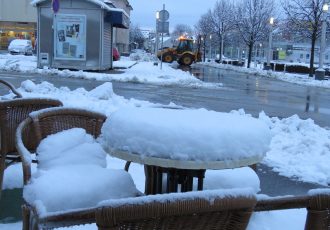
<point>298,149</point>
<point>208,195</point>
<point>186,134</point>
<point>288,136</point>
<point>71,175</point>
<point>142,72</point>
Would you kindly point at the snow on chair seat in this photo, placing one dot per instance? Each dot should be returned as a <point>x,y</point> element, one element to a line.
<point>72,176</point>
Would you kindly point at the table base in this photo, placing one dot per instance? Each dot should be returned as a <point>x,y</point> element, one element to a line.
<point>175,177</point>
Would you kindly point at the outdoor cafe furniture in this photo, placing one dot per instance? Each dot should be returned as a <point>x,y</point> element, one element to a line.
<point>12,112</point>
<point>183,143</point>
<point>228,209</point>
<point>72,176</point>
<point>225,209</point>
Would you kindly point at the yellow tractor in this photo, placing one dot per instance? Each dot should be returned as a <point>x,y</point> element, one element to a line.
<point>184,53</point>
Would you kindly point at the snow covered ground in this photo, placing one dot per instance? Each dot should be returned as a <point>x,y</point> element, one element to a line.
<point>299,148</point>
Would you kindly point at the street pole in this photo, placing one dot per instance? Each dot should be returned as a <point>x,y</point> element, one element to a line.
<point>270,51</point>
<point>211,46</point>
<point>320,72</point>
<point>157,38</point>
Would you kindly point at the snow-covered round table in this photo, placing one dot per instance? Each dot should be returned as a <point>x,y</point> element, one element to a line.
<point>183,143</point>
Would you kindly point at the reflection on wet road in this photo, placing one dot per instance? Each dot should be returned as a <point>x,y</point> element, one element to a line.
<point>276,98</point>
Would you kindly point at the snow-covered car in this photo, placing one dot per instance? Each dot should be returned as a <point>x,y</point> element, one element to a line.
<point>20,46</point>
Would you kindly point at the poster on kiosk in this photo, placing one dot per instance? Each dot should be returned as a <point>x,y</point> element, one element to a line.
<point>70,37</point>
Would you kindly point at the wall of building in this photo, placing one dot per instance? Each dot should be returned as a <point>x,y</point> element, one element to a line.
<point>17,20</point>
<point>121,36</point>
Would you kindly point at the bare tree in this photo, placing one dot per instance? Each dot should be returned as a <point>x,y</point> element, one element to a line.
<point>203,28</point>
<point>304,18</point>
<point>222,21</point>
<point>182,30</point>
<point>251,21</point>
<point>136,36</point>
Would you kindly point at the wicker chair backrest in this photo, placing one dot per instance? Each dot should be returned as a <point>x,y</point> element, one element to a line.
<point>56,120</point>
<point>229,213</point>
<point>13,112</point>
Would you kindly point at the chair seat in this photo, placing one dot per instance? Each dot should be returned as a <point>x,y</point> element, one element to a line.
<point>66,188</point>
<point>72,174</point>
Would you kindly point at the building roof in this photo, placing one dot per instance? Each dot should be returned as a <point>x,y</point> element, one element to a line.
<point>102,3</point>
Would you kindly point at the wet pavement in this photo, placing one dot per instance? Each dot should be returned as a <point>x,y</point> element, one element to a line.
<point>253,93</point>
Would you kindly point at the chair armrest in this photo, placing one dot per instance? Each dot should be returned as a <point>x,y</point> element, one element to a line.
<point>317,203</point>
<point>11,87</point>
<point>24,153</point>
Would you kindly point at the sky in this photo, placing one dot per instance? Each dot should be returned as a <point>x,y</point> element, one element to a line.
<point>299,148</point>
<point>181,11</point>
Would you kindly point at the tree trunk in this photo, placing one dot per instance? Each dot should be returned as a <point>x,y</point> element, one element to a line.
<point>311,60</point>
<point>250,54</point>
<point>220,57</point>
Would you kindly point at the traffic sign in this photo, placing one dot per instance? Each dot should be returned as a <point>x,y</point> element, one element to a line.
<point>164,15</point>
<point>163,27</point>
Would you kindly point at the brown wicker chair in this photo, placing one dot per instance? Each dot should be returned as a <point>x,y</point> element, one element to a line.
<point>223,213</point>
<point>184,212</point>
<point>317,204</point>
<point>40,125</point>
<point>12,112</point>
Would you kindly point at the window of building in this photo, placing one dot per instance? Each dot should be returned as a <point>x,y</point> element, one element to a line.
<point>307,56</point>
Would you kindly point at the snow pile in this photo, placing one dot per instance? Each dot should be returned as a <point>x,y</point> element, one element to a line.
<point>72,168</point>
<point>186,134</point>
<point>299,149</point>
<point>81,146</point>
<point>101,99</point>
<point>141,55</point>
<point>244,177</point>
<point>139,72</point>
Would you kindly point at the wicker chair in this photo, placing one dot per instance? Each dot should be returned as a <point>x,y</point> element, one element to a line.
<point>12,112</point>
<point>317,204</point>
<point>223,213</point>
<point>40,125</point>
<point>184,212</point>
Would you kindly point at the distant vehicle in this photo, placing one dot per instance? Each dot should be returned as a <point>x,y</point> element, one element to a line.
<point>115,54</point>
<point>20,46</point>
<point>184,53</point>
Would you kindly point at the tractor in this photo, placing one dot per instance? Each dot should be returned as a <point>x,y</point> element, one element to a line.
<point>184,53</point>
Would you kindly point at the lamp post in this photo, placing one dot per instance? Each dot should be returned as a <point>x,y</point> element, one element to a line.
<point>157,38</point>
<point>270,51</point>
<point>320,72</point>
<point>210,46</point>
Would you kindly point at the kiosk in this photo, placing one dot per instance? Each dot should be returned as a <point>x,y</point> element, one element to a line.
<point>77,34</point>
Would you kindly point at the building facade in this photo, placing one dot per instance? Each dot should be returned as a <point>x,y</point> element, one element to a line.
<point>121,36</point>
<point>18,19</point>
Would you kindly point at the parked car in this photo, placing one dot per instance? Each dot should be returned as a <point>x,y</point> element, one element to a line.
<point>115,54</point>
<point>20,46</point>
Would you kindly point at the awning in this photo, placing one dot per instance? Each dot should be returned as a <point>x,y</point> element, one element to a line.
<point>118,19</point>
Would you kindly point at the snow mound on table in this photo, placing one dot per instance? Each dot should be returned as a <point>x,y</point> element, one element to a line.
<point>186,134</point>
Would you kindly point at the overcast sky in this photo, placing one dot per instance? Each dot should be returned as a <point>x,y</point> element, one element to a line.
<point>181,11</point>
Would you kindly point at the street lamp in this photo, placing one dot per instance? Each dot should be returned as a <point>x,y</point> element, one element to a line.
<point>157,38</point>
<point>210,46</point>
<point>270,52</point>
<point>320,72</point>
